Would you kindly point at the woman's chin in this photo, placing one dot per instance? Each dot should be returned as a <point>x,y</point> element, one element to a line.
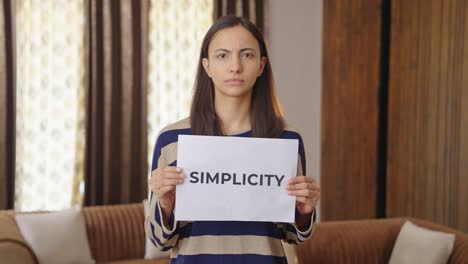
<point>234,92</point>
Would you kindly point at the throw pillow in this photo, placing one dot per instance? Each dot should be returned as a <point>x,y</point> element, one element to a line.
<point>416,244</point>
<point>152,252</point>
<point>56,237</point>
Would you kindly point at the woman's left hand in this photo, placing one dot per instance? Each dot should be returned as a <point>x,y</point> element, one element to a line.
<point>307,192</point>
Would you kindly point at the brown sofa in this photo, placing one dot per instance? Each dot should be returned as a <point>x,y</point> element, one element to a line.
<point>116,235</point>
<point>367,241</point>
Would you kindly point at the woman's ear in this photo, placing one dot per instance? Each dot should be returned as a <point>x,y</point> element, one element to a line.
<point>206,66</point>
<point>263,62</point>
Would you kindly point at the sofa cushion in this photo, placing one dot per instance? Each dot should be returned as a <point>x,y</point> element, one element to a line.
<point>56,237</point>
<point>416,244</point>
<point>151,252</point>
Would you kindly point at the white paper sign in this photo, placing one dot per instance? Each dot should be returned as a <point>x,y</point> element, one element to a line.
<point>235,179</point>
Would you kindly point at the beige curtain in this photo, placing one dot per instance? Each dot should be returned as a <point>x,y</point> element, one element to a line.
<point>176,30</point>
<point>7,103</point>
<point>50,99</point>
<point>116,147</point>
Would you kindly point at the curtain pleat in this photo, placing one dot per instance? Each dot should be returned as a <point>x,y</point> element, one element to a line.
<point>116,146</point>
<point>7,103</point>
<point>259,15</point>
<point>254,10</point>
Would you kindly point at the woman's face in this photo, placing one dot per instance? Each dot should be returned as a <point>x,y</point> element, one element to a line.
<point>234,62</point>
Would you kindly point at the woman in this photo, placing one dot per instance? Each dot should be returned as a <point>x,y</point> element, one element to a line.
<point>234,95</point>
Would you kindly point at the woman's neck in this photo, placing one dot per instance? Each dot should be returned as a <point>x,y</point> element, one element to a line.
<point>234,114</point>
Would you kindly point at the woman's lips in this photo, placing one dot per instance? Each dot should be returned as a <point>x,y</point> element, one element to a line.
<point>234,82</point>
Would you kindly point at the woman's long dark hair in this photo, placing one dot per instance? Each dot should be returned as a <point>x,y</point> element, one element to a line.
<point>265,112</point>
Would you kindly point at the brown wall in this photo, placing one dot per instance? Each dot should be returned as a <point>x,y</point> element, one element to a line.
<point>395,110</point>
<point>351,58</point>
<point>427,166</point>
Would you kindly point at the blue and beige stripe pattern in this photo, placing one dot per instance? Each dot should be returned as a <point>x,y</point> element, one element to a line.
<point>218,241</point>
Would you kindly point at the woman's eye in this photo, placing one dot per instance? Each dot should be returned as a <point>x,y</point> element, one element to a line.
<point>221,56</point>
<point>248,55</point>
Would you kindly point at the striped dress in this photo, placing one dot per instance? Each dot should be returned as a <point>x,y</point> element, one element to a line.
<point>218,241</point>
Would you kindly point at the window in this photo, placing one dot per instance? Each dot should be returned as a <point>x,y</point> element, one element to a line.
<point>50,133</point>
<point>51,99</point>
<point>176,31</point>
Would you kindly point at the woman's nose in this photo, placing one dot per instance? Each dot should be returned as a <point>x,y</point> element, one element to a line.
<point>236,64</point>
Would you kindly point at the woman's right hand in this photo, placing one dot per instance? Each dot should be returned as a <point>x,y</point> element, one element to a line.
<point>163,182</point>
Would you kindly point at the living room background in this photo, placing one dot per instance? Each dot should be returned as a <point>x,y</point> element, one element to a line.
<point>51,90</point>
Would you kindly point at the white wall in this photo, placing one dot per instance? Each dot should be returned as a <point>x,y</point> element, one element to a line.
<point>294,34</point>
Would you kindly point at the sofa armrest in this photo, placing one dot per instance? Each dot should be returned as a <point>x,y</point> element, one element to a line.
<point>115,232</point>
<point>13,247</point>
<point>356,241</point>
<point>460,251</point>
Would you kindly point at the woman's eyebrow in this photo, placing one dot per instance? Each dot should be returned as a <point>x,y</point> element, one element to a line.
<point>242,50</point>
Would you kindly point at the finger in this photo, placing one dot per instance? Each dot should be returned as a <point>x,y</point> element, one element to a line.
<point>299,179</point>
<point>157,171</point>
<point>304,193</point>
<point>163,182</point>
<point>171,175</point>
<point>167,175</point>
<point>303,185</point>
<point>172,169</point>
<point>170,182</point>
<point>164,169</point>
